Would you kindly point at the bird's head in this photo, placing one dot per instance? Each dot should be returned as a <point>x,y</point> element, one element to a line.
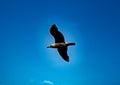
<point>51,46</point>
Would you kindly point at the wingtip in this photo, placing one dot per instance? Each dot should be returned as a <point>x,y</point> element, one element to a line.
<point>54,25</point>
<point>67,60</point>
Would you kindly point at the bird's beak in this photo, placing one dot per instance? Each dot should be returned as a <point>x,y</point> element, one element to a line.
<point>48,46</point>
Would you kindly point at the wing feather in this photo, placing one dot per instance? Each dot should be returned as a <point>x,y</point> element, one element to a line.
<point>63,53</point>
<point>56,34</point>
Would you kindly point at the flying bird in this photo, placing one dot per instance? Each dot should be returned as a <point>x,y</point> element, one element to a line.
<point>60,43</point>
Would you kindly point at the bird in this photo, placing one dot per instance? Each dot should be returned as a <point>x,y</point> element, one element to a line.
<point>60,43</point>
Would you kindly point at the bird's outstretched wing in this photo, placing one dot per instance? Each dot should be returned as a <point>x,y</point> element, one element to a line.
<point>63,52</point>
<point>56,34</point>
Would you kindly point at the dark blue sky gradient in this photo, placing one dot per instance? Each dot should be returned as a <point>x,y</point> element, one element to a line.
<point>24,35</point>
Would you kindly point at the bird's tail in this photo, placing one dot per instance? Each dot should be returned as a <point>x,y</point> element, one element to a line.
<point>68,44</point>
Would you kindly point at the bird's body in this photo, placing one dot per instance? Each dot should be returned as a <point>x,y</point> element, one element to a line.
<point>57,45</point>
<point>60,43</point>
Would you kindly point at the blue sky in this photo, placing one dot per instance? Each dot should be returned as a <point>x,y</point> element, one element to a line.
<point>24,35</point>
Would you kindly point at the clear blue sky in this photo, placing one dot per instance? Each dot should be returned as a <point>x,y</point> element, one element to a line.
<point>24,35</point>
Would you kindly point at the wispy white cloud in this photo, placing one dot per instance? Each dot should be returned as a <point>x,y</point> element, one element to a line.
<point>48,82</point>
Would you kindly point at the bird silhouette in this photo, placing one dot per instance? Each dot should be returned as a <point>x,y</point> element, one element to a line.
<point>59,42</point>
